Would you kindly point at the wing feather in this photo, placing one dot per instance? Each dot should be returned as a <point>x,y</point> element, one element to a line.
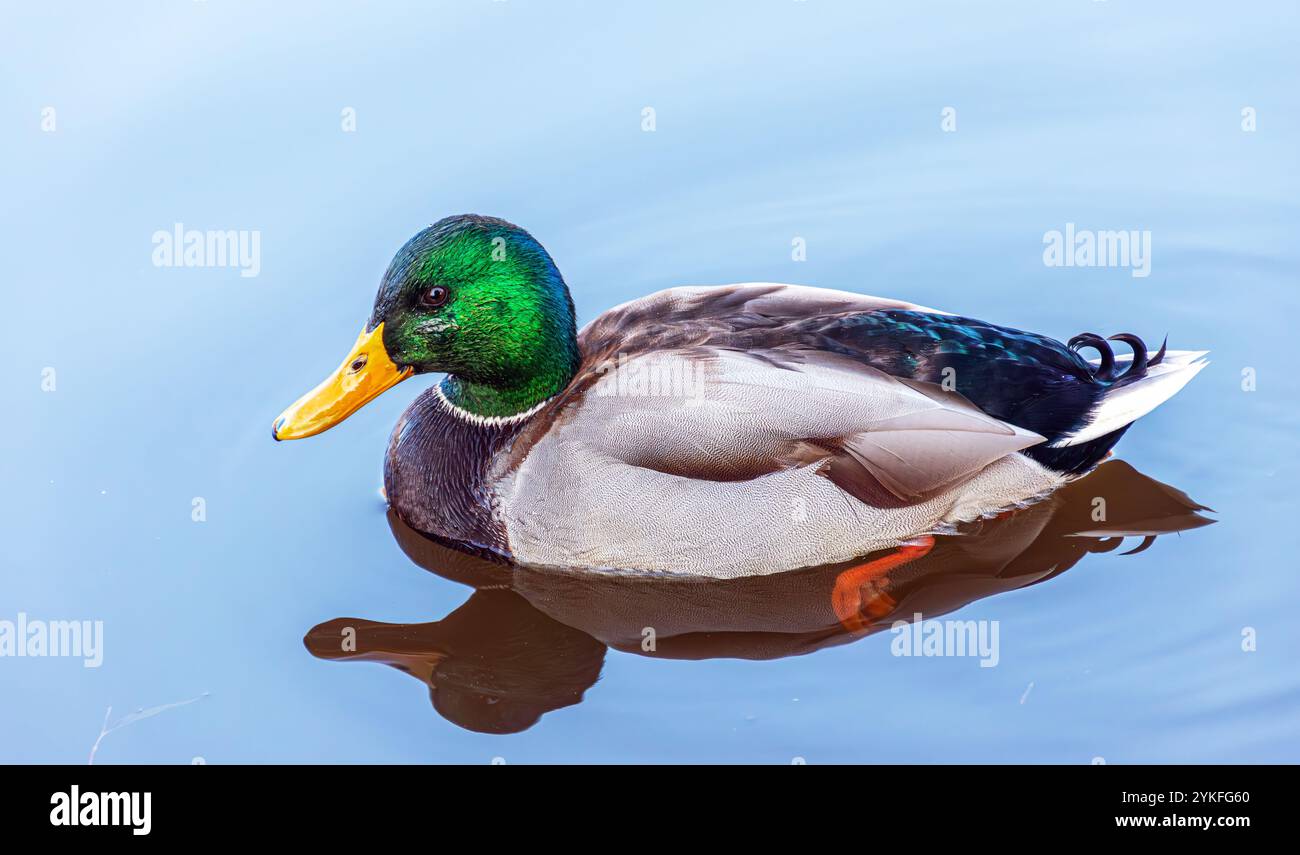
<point>884,440</point>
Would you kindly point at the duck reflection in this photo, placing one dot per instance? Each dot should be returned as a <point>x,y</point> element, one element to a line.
<point>532,640</point>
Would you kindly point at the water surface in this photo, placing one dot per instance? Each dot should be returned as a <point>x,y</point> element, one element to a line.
<point>774,121</point>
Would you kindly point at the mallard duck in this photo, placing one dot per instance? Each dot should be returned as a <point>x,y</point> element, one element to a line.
<point>714,431</point>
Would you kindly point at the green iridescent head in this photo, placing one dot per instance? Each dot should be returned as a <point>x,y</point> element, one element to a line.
<point>480,299</point>
<point>475,297</point>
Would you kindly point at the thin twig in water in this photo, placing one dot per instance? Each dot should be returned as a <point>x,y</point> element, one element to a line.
<point>132,718</point>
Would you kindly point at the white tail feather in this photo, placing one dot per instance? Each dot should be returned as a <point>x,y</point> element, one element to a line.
<point>1128,403</point>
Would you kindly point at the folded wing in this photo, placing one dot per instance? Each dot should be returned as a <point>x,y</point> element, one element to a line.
<point>727,415</point>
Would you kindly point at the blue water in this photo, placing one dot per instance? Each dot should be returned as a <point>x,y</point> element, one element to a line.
<point>773,121</point>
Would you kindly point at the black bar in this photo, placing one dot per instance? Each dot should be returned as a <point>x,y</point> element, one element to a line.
<point>189,803</point>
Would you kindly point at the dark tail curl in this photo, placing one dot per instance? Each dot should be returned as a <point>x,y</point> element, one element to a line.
<point>1106,371</point>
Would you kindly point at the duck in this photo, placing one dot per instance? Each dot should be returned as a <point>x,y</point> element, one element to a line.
<point>713,431</point>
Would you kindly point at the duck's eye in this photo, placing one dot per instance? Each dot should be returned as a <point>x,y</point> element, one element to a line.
<point>434,297</point>
<point>358,363</point>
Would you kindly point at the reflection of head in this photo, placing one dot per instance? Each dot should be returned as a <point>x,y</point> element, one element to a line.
<point>508,663</point>
<point>494,665</point>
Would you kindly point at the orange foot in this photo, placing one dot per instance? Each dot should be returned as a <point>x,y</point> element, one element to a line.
<point>860,590</point>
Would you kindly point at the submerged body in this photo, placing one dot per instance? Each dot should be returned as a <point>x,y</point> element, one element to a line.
<point>724,431</point>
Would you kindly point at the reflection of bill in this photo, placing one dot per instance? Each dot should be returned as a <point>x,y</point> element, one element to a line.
<point>506,657</point>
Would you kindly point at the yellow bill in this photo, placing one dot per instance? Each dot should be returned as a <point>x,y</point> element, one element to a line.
<point>364,375</point>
